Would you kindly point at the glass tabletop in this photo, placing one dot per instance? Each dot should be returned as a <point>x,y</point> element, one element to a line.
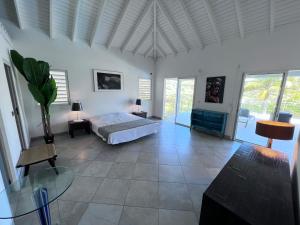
<point>20,197</point>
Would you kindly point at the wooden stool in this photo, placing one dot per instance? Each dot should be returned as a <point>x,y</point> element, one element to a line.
<point>36,155</point>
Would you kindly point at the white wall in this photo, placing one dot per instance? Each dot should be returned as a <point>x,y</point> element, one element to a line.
<point>257,53</point>
<point>8,125</point>
<point>79,60</point>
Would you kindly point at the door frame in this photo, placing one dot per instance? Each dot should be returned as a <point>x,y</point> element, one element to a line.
<point>278,101</point>
<point>164,93</point>
<point>11,82</point>
<point>177,95</point>
<point>4,168</point>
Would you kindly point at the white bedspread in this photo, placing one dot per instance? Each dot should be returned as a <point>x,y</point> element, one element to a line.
<point>124,135</point>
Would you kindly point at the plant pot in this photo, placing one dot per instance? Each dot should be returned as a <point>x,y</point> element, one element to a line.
<point>49,139</point>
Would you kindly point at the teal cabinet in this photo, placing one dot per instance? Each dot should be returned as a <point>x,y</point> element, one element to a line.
<point>207,121</point>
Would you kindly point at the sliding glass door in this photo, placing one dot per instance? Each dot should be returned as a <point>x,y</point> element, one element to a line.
<point>269,97</point>
<point>290,106</point>
<point>259,98</point>
<point>178,100</point>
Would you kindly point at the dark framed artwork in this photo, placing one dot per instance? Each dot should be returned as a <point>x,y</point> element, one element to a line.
<point>215,89</point>
<point>107,80</point>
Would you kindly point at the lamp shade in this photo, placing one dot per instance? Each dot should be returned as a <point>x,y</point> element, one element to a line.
<point>76,106</point>
<point>275,130</point>
<point>138,102</point>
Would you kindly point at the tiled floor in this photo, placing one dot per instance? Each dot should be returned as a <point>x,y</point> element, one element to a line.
<point>155,180</point>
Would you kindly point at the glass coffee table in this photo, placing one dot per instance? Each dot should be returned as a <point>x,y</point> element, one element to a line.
<point>35,193</point>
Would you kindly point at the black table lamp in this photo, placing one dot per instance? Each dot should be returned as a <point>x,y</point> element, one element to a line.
<point>76,107</point>
<point>139,103</point>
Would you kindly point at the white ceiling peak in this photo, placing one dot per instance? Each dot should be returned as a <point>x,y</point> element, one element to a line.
<point>169,26</point>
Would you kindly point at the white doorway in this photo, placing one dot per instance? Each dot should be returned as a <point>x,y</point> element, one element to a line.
<point>178,100</point>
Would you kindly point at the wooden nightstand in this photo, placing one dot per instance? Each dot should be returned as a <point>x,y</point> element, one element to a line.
<point>75,125</point>
<point>140,114</point>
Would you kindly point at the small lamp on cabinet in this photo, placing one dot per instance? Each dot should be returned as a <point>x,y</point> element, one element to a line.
<point>77,107</point>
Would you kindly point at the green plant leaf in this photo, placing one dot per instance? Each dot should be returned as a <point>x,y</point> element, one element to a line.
<point>18,62</point>
<point>36,93</point>
<point>48,91</point>
<point>45,70</point>
<point>32,71</point>
<point>53,97</point>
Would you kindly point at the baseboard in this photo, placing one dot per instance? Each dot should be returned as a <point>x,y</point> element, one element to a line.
<point>39,137</point>
<point>155,117</point>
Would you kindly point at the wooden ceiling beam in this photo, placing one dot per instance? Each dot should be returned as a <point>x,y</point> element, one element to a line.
<point>191,22</point>
<point>162,52</point>
<point>272,16</point>
<point>154,29</point>
<point>212,20</point>
<point>171,22</point>
<point>148,51</point>
<point>167,40</point>
<point>117,25</point>
<point>75,22</point>
<point>98,20</point>
<point>142,40</point>
<point>138,22</point>
<point>51,19</point>
<point>239,17</point>
<point>17,8</point>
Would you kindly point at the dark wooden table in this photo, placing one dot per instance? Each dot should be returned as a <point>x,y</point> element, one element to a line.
<point>140,114</point>
<point>253,188</point>
<point>79,125</point>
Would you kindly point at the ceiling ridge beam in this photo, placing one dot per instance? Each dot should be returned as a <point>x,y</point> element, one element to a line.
<point>51,31</point>
<point>20,23</point>
<point>167,40</point>
<point>212,20</point>
<point>75,22</point>
<point>239,17</point>
<point>154,29</point>
<point>117,25</point>
<point>140,19</point>
<point>272,16</point>
<point>191,22</point>
<point>97,22</point>
<point>167,15</point>
<point>148,51</point>
<point>142,40</point>
<point>162,52</point>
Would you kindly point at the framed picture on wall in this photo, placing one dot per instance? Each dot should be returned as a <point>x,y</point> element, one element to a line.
<point>215,89</point>
<point>107,80</point>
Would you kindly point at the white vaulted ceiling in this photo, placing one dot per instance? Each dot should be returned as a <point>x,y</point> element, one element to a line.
<point>153,28</point>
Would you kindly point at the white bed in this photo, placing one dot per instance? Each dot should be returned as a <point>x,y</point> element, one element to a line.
<point>124,135</point>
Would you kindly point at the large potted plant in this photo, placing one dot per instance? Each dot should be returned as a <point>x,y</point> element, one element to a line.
<point>41,85</point>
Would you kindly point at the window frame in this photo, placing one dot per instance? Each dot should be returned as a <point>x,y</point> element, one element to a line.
<point>67,86</point>
<point>151,88</point>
